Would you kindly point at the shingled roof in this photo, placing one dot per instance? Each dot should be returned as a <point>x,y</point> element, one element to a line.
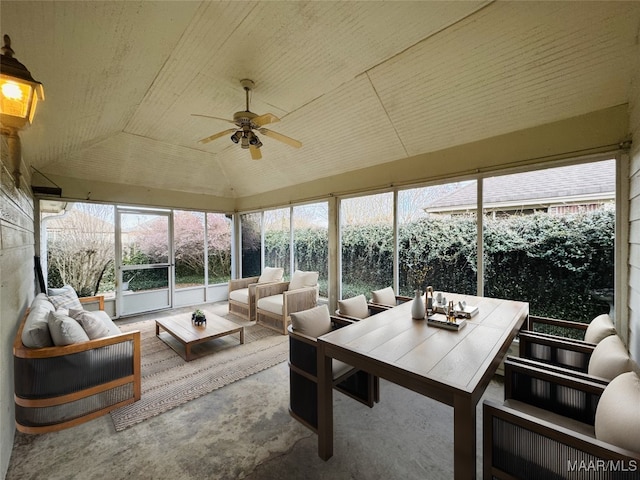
<point>572,184</point>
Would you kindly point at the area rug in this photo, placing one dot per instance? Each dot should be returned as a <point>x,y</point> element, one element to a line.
<point>168,381</point>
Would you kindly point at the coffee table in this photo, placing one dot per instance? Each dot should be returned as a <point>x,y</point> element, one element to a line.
<point>187,334</point>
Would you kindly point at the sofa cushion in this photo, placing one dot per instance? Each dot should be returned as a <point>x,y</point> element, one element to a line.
<point>354,307</point>
<point>600,327</point>
<point>385,296</point>
<point>301,279</point>
<point>41,299</point>
<point>65,330</point>
<point>93,326</point>
<point>313,322</point>
<point>272,303</point>
<point>66,299</point>
<point>106,319</point>
<point>35,333</point>
<point>58,291</point>
<point>609,359</point>
<point>241,295</point>
<point>271,274</point>
<point>618,413</point>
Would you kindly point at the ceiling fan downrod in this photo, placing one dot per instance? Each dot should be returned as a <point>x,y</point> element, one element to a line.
<point>248,86</point>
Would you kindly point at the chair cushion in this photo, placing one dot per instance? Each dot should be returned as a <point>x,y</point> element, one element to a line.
<point>618,413</point>
<point>385,296</point>
<point>93,325</point>
<point>241,295</point>
<point>65,330</point>
<point>271,274</point>
<point>272,303</point>
<point>313,322</point>
<point>65,297</point>
<point>301,279</point>
<point>609,359</point>
<point>600,327</point>
<point>354,307</point>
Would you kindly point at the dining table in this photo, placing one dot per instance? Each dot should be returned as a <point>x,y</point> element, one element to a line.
<point>451,366</point>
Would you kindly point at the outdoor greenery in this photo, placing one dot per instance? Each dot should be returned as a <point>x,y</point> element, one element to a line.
<point>553,262</point>
<point>557,263</point>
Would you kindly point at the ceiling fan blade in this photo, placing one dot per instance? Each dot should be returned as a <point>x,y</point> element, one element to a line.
<point>282,138</point>
<point>217,135</point>
<point>215,118</point>
<point>265,119</point>
<point>255,152</point>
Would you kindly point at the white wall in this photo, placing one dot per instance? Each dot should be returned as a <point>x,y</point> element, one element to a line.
<point>634,218</point>
<point>17,288</point>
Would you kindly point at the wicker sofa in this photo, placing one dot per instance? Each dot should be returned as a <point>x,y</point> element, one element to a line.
<point>60,386</point>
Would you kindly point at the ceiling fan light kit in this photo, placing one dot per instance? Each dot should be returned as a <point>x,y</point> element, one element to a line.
<point>247,122</point>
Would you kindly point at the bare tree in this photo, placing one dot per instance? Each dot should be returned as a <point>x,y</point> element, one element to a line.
<point>81,246</point>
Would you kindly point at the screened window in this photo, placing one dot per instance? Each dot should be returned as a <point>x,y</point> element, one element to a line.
<point>366,236</point>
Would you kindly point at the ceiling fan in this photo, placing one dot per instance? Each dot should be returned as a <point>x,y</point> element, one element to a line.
<point>247,122</point>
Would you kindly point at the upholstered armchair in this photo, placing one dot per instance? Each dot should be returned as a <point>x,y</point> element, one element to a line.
<point>357,308</point>
<point>305,327</point>
<point>275,302</point>
<point>562,426</point>
<point>563,351</point>
<point>386,297</point>
<point>242,297</point>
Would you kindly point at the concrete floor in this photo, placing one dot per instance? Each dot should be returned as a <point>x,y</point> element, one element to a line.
<point>244,431</point>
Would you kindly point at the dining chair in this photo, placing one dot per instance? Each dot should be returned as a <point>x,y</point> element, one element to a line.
<point>387,297</point>
<point>306,326</point>
<point>560,426</point>
<point>357,308</point>
<point>570,352</point>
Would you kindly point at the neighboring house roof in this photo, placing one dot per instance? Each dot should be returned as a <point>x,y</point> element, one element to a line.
<point>573,184</point>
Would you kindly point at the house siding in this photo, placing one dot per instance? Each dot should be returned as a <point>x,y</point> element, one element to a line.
<point>634,217</point>
<point>16,287</point>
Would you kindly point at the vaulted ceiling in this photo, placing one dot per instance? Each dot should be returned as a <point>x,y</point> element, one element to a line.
<point>358,83</point>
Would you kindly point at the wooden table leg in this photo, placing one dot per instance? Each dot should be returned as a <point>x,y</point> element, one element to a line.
<point>242,336</point>
<point>325,405</point>
<point>464,438</point>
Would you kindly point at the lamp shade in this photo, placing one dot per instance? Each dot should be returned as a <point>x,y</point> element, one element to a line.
<point>19,92</point>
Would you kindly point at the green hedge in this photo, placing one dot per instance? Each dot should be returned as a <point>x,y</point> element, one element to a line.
<point>553,262</point>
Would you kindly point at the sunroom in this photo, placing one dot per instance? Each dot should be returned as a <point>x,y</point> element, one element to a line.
<point>488,149</point>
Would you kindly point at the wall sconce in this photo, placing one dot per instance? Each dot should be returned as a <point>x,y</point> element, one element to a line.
<point>19,95</point>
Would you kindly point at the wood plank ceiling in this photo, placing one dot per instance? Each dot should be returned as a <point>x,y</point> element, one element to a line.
<point>359,83</point>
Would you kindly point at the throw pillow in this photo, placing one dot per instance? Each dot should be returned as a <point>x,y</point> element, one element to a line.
<point>354,307</point>
<point>35,333</point>
<point>600,328</point>
<point>67,299</point>
<point>609,359</point>
<point>386,296</point>
<point>91,324</point>
<point>271,274</point>
<point>65,330</point>
<point>618,415</point>
<point>301,279</point>
<point>58,291</point>
<point>313,322</point>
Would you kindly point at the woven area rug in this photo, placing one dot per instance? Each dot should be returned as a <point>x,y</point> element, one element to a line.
<point>168,381</point>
